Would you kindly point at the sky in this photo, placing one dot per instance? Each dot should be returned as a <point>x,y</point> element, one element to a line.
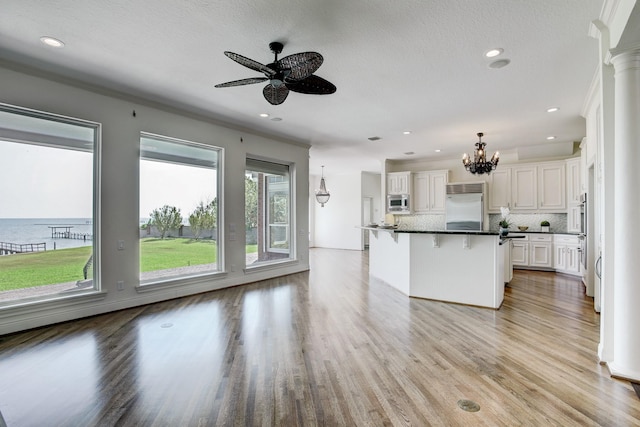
<point>43,182</point>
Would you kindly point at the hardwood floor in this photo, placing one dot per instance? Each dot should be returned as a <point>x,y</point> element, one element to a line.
<point>327,347</point>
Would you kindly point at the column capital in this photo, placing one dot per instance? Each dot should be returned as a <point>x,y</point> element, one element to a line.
<point>624,58</point>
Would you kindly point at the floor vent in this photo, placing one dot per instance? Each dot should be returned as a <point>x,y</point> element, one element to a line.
<point>468,405</point>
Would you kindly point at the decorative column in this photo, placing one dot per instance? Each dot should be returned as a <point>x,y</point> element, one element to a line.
<point>626,294</point>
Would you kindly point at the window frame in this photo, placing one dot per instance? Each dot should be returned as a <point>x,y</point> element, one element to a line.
<point>253,163</point>
<point>183,279</point>
<point>22,137</point>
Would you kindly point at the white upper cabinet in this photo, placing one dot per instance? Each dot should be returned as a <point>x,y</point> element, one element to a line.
<point>573,219</point>
<point>500,189</point>
<point>523,188</point>
<point>551,187</point>
<point>574,181</point>
<point>529,188</point>
<point>429,191</point>
<point>399,183</point>
<point>420,197</point>
<point>438,190</point>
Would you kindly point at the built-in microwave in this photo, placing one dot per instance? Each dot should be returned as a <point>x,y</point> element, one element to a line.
<point>398,203</point>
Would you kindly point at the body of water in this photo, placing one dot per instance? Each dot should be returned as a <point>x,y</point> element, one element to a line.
<point>36,230</point>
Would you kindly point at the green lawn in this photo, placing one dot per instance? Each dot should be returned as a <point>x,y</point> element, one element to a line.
<point>160,254</point>
<point>65,265</point>
<point>42,268</point>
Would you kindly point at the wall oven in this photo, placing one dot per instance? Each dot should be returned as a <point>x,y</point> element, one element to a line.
<point>583,231</point>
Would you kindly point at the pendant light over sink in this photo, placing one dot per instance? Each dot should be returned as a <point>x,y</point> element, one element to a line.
<point>479,164</point>
<point>322,194</point>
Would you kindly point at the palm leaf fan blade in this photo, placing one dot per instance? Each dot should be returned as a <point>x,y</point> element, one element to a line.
<point>275,96</point>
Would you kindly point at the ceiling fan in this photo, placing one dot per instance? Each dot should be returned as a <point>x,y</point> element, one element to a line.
<point>291,73</point>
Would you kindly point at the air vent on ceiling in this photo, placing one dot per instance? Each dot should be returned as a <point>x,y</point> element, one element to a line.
<point>374,138</point>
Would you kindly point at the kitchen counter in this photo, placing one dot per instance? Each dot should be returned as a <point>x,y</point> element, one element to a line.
<point>543,232</point>
<point>477,233</point>
<point>465,267</point>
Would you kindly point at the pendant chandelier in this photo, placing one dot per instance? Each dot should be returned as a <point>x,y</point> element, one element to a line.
<point>322,194</point>
<point>479,164</point>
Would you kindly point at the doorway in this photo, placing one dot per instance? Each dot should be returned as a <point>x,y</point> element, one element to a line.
<point>367,218</point>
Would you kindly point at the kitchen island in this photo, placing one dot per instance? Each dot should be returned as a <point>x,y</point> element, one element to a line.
<point>465,267</point>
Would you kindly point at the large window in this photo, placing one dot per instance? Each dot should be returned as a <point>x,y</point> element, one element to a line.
<point>267,212</point>
<point>48,226</point>
<point>178,208</point>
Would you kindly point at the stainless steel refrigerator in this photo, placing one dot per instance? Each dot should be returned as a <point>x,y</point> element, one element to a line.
<point>464,207</point>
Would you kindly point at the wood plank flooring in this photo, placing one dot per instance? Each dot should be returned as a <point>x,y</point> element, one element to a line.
<point>327,347</point>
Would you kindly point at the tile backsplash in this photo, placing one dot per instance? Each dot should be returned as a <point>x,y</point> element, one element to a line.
<point>420,222</point>
<point>436,222</point>
<point>558,221</point>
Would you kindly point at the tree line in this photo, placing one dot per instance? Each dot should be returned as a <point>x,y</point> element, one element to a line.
<point>205,215</point>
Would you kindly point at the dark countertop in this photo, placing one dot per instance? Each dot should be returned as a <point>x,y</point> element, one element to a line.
<point>477,233</point>
<point>512,233</point>
<point>543,232</point>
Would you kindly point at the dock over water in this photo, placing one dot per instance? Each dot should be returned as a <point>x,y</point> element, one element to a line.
<point>19,248</point>
<point>64,232</point>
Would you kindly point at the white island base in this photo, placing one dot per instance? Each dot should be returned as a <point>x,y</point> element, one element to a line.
<point>453,267</point>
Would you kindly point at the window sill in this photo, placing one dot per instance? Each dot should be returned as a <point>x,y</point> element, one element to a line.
<point>270,266</point>
<point>174,282</point>
<point>33,306</point>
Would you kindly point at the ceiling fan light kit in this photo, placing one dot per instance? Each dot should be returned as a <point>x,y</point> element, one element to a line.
<point>480,164</point>
<point>291,73</point>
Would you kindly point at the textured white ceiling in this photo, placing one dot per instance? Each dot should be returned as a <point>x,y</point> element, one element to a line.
<point>398,65</point>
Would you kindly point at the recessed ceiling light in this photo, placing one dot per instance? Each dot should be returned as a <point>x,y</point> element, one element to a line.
<point>264,115</point>
<point>551,137</point>
<point>493,52</point>
<point>276,119</point>
<point>51,41</point>
<point>500,63</point>
<point>438,150</point>
<point>407,132</point>
<point>552,109</point>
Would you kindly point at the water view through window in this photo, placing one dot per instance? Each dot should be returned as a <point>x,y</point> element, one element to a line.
<point>47,224</point>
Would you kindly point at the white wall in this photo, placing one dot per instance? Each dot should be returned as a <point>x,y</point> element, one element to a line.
<point>335,224</point>
<point>119,195</point>
<point>371,187</point>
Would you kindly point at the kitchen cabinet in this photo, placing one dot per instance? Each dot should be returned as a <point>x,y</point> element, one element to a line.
<point>523,188</point>
<point>500,189</point>
<point>399,183</point>
<point>508,266</point>
<point>540,251</point>
<point>574,181</point>
<point>429,191</point>
<point>529,188</point>
<point>560,252</point>
<point>533,250</point>
<point>551,187</point>
<point>573,219</point>
<point>520,252</point>
<point>566,254</point>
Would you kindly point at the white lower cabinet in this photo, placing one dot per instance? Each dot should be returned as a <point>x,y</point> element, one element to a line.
<point>567,254</point>
<point>540,252</point>
<point>520,251</point>
<point>559,252</point>
<point>508,265</point>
